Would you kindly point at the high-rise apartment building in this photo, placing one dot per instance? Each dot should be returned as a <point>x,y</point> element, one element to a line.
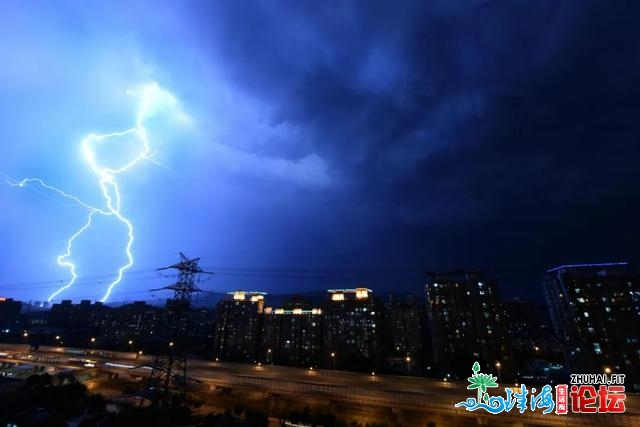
<point>351,330</point>
<point>404,334</point>
<point>595,311</point>
<point>238,326</point>
<point>466,324</point>
<point>292,335</point>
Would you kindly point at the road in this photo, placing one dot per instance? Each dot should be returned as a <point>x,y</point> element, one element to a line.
<point>400,393</point>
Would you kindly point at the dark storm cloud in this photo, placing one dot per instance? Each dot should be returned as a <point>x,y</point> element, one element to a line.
<point>513,124</point>
<point>386,88</point>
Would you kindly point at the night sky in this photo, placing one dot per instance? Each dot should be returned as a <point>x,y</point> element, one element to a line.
<point>324,144</point>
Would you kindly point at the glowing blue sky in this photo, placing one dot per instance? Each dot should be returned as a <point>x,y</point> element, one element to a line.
<point>373,142</point>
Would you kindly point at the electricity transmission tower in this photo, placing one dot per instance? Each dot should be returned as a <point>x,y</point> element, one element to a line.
<point>168,377</point>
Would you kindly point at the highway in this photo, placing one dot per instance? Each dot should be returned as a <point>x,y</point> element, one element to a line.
<point>408,395</point>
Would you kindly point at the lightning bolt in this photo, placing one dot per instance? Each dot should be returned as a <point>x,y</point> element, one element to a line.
<point>108,185</point>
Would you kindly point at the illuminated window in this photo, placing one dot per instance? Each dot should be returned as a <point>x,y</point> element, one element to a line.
<point>596,348</point>
<point>362,293</point>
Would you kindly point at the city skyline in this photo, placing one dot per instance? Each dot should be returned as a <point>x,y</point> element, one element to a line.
<point>588,323</point>
<point>333,278</point>
<point>350,340</point>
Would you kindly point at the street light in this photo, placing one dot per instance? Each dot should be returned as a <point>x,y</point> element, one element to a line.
<point>333,360</point>
<point>408,360</point>
<point>607,370</point>
<point>498,366</point>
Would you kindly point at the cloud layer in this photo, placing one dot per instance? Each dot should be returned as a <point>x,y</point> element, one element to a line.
<point>377,140</point>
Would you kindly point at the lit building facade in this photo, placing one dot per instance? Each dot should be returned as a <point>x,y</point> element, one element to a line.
<point>238,326</point>
<point>595,310</point>
<point>137,321</point>
<point>77,316</point>
<point>403,338</point>
<point>351,330</point>
<point>466,324</point>
<point>292,335</point>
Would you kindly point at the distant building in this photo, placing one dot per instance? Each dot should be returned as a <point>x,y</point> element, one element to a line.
<point>466,323</point>
<point>595,310</point>
<point>529,328</point>
<point>76,316</point>
<point>292,335</point>
<point>201,323</point>
<point>62,314</point>
<point>351,330</point>
<point>32,306</point>
<point>403,338</point>
<point>136,322</point>
<point>9,313</point>
<point>238,326</point>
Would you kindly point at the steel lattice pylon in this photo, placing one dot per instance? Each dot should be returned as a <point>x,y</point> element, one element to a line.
<point>168,377</point>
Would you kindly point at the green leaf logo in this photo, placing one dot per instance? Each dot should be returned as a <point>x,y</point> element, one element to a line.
<point>481,382</point>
